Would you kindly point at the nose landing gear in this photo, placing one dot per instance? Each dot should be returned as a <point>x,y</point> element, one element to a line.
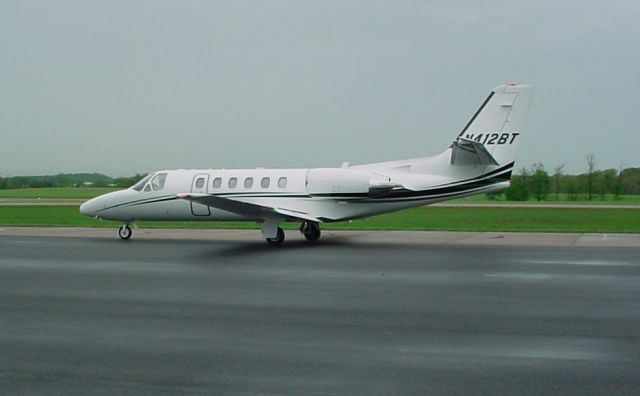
<point>125,232</point>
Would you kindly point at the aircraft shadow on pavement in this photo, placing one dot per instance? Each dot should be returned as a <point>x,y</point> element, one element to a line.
<point>215,249</point>
<point>259,247</point>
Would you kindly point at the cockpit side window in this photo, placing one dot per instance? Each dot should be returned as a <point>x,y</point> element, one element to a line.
<point>138,186</point>
<point>157,183</point>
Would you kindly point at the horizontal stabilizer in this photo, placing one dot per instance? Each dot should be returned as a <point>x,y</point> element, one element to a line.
<point>469,152</point>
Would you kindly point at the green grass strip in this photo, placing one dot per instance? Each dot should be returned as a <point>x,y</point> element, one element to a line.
<point>424,219</point>
<point>563,199</point>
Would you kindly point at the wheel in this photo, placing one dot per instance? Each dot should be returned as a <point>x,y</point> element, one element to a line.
<point>278,239</point>
<point>124,232</point>
<point>310,230</point>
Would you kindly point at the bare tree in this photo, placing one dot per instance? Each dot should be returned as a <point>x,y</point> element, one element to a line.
<point>557,174</point>
<point>607,180</point>
<point>591,166</point>
<point>618,188</point>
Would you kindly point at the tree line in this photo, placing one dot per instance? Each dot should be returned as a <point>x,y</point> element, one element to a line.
<point>68,180</point>
<point>537,183</point>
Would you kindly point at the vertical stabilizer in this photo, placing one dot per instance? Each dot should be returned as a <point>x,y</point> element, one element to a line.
<point>498,123</point>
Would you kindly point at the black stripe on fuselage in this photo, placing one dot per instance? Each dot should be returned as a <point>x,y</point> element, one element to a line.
<point>141,202</point>
<point>171,198</point>
<point>482,176</point>
<point>252,194</point>
<point>405,196</point>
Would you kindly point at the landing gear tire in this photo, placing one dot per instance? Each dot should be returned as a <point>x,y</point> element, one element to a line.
<point>310,230</point>
<point>278,239</point>
<point>125,232</point>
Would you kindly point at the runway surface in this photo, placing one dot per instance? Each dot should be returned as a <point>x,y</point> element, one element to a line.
<point>347,316</point>
<point>367,237</point>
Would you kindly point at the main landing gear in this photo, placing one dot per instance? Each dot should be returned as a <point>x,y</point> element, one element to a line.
<point>310,230</point>
<point>125,232</point>
<point>278,239</point>
<point>274,235</point>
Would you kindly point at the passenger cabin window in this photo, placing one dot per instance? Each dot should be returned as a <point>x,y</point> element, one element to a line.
<point>264,183</point>
<point>233,182</point>
<point>200,182</point>
<point>282,182</point>
<point>217,182</point>
<point>248,182</point>
<point>157,183</point>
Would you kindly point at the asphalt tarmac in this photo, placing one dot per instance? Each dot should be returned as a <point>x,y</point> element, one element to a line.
<point>346,316</point>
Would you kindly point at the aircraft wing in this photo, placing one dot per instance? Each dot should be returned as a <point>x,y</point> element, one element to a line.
<point>242,208</point>
<point>469,152</point>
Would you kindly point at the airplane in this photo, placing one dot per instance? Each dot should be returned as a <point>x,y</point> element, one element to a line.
<point>479,160</point>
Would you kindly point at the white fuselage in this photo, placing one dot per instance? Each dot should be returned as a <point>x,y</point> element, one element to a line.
<point>336,193</point>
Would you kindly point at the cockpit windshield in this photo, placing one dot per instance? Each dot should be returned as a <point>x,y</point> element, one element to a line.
<point>152,182</point>
<point>138,186</point>
<point>157,183</point>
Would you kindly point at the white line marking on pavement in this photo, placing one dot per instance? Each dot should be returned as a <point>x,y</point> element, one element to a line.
<point>519,275</point>
<point>581,262</point>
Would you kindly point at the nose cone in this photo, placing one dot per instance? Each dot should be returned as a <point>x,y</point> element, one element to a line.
<point>108,206</point>
<point>89,208</point>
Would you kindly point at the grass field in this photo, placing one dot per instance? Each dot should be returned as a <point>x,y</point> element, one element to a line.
<point>90,192</point>
<point>551,199</point>
<point>56,193</point>
<point>425,218</point>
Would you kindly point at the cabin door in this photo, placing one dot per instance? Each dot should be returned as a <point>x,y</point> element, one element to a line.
<point>199,186</point>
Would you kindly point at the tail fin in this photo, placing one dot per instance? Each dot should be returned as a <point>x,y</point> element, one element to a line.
<point>497,125</point>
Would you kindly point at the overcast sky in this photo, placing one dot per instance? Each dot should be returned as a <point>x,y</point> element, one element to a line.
<point>121,87</point>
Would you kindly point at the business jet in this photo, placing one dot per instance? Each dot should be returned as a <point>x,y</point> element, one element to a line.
<point>479,160</point>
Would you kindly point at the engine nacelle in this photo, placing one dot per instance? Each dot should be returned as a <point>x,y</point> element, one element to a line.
<point>347,181</point>
<point>337,181</point>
